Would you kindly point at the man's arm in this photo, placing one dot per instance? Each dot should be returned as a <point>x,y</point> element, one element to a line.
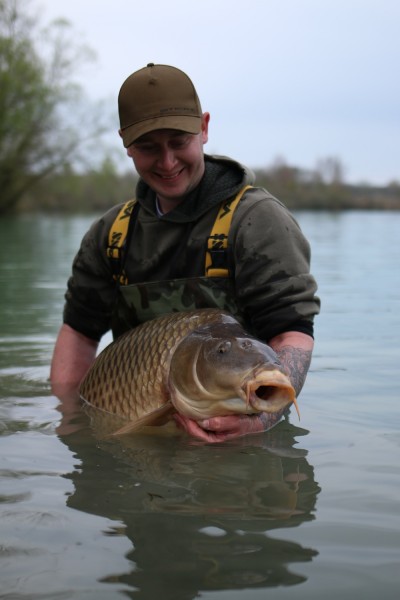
<point>73,355</point>
<point>294,350</point>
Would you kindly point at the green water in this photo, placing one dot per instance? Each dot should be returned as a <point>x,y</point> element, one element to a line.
<point>308,510</point>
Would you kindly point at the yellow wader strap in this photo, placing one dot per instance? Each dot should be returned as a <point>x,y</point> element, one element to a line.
<point>116,240</point>
<point>217,242</point>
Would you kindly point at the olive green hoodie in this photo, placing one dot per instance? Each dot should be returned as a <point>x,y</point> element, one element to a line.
<point>268,256</point>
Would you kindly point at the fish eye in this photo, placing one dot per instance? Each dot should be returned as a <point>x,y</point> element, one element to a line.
<point>224,347</point>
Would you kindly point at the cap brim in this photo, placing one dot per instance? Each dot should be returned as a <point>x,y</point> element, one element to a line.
<point>181,123</point>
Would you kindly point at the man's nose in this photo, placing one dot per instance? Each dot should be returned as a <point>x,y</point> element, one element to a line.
<point>166,158</point>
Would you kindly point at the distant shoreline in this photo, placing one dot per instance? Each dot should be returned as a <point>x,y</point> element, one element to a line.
<point>98,191</point>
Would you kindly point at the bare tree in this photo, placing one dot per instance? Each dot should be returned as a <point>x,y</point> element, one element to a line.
<point>39,102</point>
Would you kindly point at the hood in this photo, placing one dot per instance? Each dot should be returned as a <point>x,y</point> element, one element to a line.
<point>223,178</point>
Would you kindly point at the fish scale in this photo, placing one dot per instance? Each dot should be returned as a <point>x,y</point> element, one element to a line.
<point>142,363</point>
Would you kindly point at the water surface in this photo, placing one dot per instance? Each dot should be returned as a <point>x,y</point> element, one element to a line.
<point>308,510</point>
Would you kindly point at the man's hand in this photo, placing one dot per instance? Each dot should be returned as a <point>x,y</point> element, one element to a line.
<point>220,429</point>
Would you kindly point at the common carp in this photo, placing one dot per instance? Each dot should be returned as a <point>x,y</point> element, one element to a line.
<point>199,363</point>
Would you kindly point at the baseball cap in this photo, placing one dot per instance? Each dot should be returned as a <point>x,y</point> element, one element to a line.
<point>157,97</point>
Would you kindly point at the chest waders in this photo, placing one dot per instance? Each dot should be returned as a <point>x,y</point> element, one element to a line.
<point>140,302</point>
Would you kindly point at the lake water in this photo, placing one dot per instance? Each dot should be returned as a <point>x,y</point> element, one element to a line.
<point>309,510</point>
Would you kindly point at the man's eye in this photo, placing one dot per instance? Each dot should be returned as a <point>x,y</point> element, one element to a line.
<point>145,148</point>
<point>179,142</point>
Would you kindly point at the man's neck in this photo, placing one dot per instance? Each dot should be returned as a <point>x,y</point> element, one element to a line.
<point>164,205</point>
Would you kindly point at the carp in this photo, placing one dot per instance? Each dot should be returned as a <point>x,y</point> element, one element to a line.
<point>199,363</point>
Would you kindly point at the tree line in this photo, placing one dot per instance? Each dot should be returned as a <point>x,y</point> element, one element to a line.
<point>324,188</point>
<point>98,190</point>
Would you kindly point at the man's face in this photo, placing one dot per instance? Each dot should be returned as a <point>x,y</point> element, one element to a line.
<point>170,162</point>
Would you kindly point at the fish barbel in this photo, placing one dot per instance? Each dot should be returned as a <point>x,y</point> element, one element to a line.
<point>199,363</point>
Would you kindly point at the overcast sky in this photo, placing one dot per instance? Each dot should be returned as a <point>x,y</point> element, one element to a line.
<point>298,79</point>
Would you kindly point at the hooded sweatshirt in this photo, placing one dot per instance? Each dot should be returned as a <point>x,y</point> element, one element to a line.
<point>268,256</point>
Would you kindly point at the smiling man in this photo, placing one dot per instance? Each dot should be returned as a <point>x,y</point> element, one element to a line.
<point>167,251</point>
<point>171,162</point>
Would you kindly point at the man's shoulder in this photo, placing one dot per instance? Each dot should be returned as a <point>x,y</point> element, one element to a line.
<point>261,199</point>
<point>115,210</point>
<point>106,220</point>
<point>101,226</point>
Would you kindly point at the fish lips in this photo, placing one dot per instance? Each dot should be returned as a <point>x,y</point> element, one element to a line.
<point>268,390</point>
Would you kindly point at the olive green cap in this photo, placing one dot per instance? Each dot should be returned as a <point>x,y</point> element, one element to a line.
<point>157,97</point>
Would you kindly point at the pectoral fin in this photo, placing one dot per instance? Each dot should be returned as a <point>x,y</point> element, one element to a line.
<point>160,416</point>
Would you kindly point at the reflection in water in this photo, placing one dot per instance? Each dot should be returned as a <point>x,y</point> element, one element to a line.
<point>194,518</point>
<point>198,515</point>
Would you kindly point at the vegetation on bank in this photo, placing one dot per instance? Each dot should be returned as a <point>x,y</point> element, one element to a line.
<point>42,109</point>
<point>98,190</point>
<point>325,189</point>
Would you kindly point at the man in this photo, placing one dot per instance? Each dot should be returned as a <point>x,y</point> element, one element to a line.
<point>179,195</point>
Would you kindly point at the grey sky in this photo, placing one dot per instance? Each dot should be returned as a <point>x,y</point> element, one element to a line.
<point>299,79</point>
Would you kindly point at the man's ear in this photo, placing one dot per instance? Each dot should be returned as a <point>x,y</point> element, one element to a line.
<point>204,127</point>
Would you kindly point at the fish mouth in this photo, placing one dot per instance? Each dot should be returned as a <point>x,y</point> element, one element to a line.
<point>270,392</point>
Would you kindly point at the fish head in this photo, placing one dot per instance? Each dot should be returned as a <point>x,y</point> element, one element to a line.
<point>219,370</point>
